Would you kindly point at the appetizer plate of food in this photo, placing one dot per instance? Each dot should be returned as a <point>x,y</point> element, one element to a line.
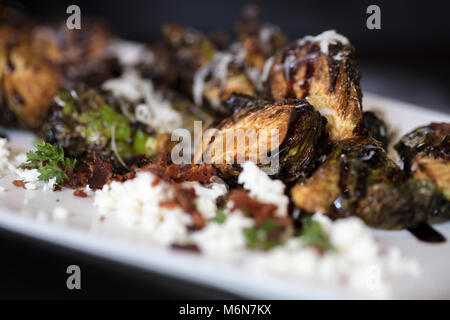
<point>122,150</point>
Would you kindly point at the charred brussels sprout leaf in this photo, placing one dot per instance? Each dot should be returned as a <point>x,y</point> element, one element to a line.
<point>376,128</point>
<point>358,179</point>
<point>289,133</point>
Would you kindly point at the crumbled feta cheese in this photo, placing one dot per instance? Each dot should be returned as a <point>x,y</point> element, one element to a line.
<point>4,155</point>
<point>135,204</point>
<point>263,188</point>
<point>357,260</point>
<point>223,240</point>
<point>2,189</point>
<point>207,196</point>
<point>19,159</point>
<point>32,181</point>
<point>155,112</point>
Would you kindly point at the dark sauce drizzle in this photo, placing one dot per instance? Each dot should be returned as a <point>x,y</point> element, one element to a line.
<point>427,233</point>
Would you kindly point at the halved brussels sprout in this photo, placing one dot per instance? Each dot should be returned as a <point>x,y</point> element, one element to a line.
<point>322,70</point>
<point>426,155</point>
<point>84,124</point>
<point>290,130</point>
<point>357,178</point>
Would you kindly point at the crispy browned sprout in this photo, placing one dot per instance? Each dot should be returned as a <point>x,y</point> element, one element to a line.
<point>358,179</point>
<point>260,40</point>
<point>377,128</point>
<point>211,76</point>
<point>82,54</point>
<point>426,155</point>
<point>190,48</point>
<point>27,80</point>
<point>322,70</point>
<point>290,130</point>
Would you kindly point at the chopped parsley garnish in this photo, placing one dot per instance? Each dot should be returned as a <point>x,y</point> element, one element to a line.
<point>220,217</point>
<point>313,234</point>
<point>49,161</point>
<point>264,236</point>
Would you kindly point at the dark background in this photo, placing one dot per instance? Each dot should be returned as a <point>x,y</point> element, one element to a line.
<point>408,59</point>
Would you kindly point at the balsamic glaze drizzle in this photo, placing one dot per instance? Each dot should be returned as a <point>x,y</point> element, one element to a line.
<point>427,233</point>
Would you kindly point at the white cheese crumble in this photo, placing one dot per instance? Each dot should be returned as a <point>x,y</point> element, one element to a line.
<point>4,155</point>
<point>218,68</point>
<point>32,181</point>
<point>263,188</point>
<point>207,196</point>
<point>135,204</point>
<point>357,261</point>
<point>325,39</point>
<point>130,53</point>
<point>155,112</point>
<point>223,240</point>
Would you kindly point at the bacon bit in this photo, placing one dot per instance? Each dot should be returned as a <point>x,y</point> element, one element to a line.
<point>178,173</point>
<point>156,181</point>
<point>77,178</point>
<point>80,193</point>
<point>185,199</point>
<point>258,210</point>
<point>186,247</point>
<point>102,218</point>
<point>101,174</point>
<point>168,204</point>
<point>19,183</point>
<point>127,176</point>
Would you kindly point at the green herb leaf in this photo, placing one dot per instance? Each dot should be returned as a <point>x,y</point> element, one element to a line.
<point>49,161</point>
<point>264,236</point>
<point>220,217</point>
<point>313,234</point>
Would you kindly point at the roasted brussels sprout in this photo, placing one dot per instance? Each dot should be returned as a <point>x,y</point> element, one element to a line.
<point>323,71</point>
<point>27,80</point>
<point>358,179</point>
<point>426,155</point>
<point>293,125</point>
<point>82,54</point>
<point>191,49</point>
<point>376,128</point>
<point>259,40</point>
<point>211,76</point>
<point>84,124</point>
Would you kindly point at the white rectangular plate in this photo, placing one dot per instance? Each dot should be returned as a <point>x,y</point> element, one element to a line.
<point>20,209</point>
